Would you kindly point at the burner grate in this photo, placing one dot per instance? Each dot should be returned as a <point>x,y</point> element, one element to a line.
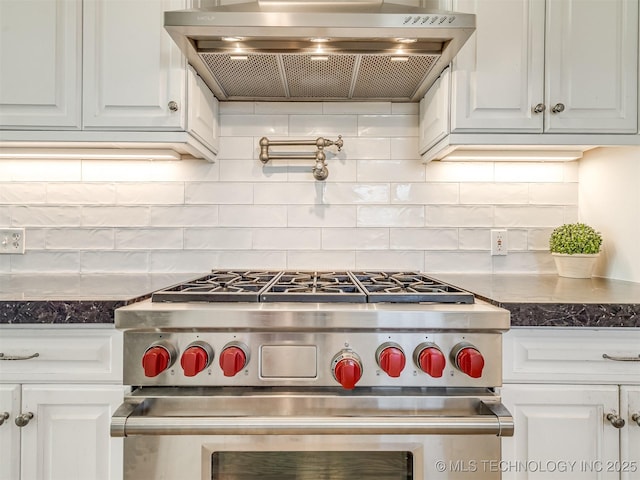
<point>314,287</point>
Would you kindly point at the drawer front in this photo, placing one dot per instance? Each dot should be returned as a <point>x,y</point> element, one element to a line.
<point>571,355</point>
<point>83,355</point>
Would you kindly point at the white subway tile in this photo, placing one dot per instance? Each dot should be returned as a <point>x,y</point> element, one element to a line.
<point>518,239</point>
<point>524,262</point>
<point>330,108</point>
<point>405,148</point>
<point>185,171</point>
<point>35,238</point>
<point>458,262</point>
<point>253,125</point>
<point>459,215</point>
<point>236,148</point>
<point>321,260</point>
<point>5,215</point>
<point>288,193</point>
<point>571,171</point>
<point>553,193</point>
<point>321,216</point>
<point>6,170</point>
<point>327,126</point>
<point>40,216</point>
<point>81,193</point>
<point>78,239</point>
<point>252,171</point>
<point>117,170</point>
<point>390,216</point>
<point>303,108</point>
<point>252,216</point>
<point>390,171</point>
<point>494,193</point>
<point>286,239</point>
<point>405,108</point>
<point>424,239</point>
<point>389,260</point>
<point>46,262</point>
<point>218,238</point>
<point>23,193</point>
<point>150,193</point>
<point>43,171</point>
<point>340,168</point>
<point>507,216</point>
<point>149,239</point>
<point>366,148</point>
<point>229,108</point>
<point>354,193</point>
<point>218,193</point>
<point>460,172</point>
<point>529,172</point>
<point>183,261</point>
<point>570,215</point>
<point>538,238</point>
<point>355,238</point>
<point>5,260</point>
<point>262,259</point>
<point>189,215</point>
<point>114,216</point>
<point>114,262</point>
<point>425,193</point>
<point>387,125</point>
<point>474,239</point>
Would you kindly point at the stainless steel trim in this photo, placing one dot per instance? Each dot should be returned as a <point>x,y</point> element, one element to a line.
<point>621,359</point>
<point>18,357</point>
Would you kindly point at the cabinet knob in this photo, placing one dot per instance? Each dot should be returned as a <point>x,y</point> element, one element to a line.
<point>616,420</point>
<point>558,108</point>
<point>23,419</point>
<point>4,416</point>
<point>636,418</point>
<point>173,106</point>
<point>539,108</point>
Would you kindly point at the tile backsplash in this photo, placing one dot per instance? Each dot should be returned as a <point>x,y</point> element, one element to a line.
<point>381,207</point>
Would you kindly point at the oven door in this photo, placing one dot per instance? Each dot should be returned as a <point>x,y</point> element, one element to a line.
<point>368,434</point>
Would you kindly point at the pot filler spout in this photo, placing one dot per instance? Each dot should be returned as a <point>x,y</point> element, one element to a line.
<point>319,50</point>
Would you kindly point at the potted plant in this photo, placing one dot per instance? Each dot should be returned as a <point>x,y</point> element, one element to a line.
<point>575,248</point>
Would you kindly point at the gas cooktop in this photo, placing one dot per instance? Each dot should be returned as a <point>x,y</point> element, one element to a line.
<point>312,287</point>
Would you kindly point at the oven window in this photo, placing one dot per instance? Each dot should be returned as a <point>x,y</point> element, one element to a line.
<point>312,465</point>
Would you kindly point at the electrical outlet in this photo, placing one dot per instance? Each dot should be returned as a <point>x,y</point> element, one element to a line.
<point>498,242</point>
<point>12,241</point>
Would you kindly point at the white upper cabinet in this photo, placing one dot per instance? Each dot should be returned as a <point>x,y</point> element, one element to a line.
<point>134,74</point>
<point>554,66</point>
<point>40,63</point>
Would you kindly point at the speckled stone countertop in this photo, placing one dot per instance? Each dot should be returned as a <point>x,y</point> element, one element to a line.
<point>75,298</point>
<point>553,301</point>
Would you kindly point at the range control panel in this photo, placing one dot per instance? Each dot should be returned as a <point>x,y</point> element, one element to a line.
<point>347,359</point>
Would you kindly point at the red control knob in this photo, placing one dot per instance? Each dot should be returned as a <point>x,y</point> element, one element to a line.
<point>194,360</point>
<point>431,361</point>
<point>348,371</point>
<point>392,361</point>
<point>232,361</point>
<point>470,361</point>
<point>155,361</point>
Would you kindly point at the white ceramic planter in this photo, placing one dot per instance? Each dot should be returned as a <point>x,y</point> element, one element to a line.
<point>575,266</point>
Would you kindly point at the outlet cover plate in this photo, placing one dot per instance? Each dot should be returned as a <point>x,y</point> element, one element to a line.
<point>12,241</point>
<point>499,242</point>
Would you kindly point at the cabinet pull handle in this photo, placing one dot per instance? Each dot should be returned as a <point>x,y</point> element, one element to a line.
<point>24,419</point>
<point>616,420</point>
<point>4,416</point>
<point>173,106</point>
<point>558,108</point>
<point>539,108</point>
<point>18,357</point>
<point>621,359</point>
<point>636,418</point>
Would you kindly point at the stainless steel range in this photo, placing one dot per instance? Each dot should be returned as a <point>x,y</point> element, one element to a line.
<point>312,375</point>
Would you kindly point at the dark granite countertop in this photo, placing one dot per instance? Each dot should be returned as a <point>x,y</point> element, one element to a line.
<point>75,298</point>
<point>553,301</point>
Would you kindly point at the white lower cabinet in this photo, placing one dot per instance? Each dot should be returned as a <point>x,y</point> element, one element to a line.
<point>570,430</point>
<point>60,430</point>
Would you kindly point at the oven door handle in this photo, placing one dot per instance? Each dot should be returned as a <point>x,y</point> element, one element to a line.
<point>493,420</point>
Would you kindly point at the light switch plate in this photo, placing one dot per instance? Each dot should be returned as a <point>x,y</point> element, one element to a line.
<point>12,241</point>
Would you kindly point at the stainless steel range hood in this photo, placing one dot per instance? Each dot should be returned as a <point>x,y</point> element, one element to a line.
<point>319,50</point>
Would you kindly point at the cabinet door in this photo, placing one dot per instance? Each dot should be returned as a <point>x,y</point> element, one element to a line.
<point>68,438</point>
<point>630,435</point>
<point>40,63</point>
<point>592,54</point>
<point>497,77</point>
<point>203,111</point>
<point>132,68</point>
<point>434,112</point>
<point>558,423</point>
<point>9,432</point>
